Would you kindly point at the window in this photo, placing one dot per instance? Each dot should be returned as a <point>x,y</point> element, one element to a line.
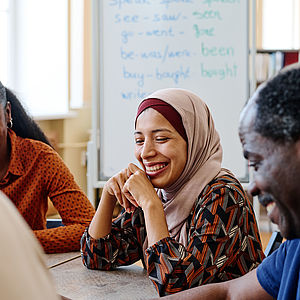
<point>38,54</point>
<point>280,23</point>
<point>4,12</point>
<point>77,52</point>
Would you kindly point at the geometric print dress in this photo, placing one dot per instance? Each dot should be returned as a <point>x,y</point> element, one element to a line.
<point>223,242</point>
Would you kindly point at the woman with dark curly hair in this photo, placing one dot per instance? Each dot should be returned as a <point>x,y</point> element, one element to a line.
<point>31,171</point>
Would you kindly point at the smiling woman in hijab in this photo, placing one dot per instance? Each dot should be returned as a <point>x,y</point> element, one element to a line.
<point>186,217</point>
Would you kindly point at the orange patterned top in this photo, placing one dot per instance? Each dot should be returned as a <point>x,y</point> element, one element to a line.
<point>35,173</point>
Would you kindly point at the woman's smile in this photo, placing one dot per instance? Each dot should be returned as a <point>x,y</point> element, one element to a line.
<point>156,169</point>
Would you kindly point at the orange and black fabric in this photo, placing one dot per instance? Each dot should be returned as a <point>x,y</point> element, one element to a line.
<point>223,242</point>
<point>35,173</point>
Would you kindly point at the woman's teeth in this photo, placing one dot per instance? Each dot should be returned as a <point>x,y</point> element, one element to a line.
<point>155,168</point>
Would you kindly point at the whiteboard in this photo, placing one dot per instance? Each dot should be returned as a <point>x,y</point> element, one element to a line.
<point>145,45</point>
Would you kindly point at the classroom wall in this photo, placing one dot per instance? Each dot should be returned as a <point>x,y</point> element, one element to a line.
<point>70,135</point>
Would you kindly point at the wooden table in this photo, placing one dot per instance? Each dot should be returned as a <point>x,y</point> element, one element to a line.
<point>53,260</point>
<point>75,281</point>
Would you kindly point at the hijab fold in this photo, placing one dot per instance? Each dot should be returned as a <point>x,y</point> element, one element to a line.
<point>204,157</point>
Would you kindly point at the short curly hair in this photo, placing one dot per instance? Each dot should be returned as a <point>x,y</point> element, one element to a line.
<point>278,108</point>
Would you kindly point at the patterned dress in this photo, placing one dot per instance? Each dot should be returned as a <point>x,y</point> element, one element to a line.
<point>223,242</point>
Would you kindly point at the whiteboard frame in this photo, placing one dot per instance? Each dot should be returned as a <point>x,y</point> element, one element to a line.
<point>94,156</point>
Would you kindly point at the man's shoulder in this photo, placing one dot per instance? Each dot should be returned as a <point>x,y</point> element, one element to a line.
<point>293,243</point>
<point>274,270</point>
<point>288,253</point>
<point>289,247</point>
<point>292,247</point>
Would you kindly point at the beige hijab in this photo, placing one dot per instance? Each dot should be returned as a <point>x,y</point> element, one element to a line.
<point>203,159</point>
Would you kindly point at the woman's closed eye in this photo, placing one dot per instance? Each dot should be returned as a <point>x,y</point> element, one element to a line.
<point>139,141</point>
<point>161,139</point>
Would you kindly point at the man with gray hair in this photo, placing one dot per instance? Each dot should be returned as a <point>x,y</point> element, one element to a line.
<point>270,135</point>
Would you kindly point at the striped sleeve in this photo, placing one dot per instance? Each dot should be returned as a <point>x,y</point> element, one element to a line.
<point>121,247</point>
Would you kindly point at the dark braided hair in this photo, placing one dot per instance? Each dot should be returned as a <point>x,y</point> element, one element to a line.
<point>23,125</point>
<point>278,108</point>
